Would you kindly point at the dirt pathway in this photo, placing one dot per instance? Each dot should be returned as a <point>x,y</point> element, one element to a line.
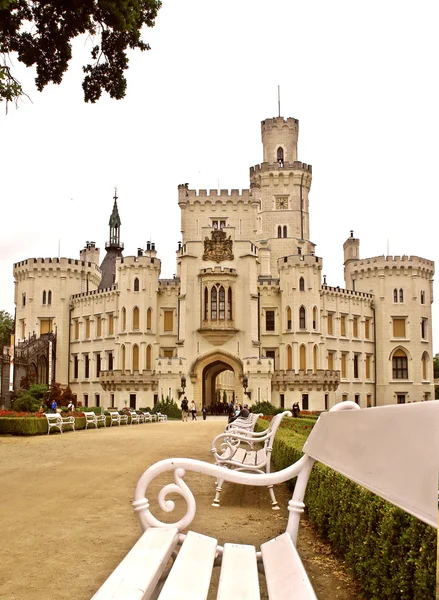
<point>67,519</point>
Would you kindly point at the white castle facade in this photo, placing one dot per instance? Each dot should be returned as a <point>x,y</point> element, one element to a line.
<point>247,311</point>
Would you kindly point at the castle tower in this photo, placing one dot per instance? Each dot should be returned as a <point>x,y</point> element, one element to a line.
<point>113,247</point>
<point>351,251</point>
<point>90,253</point>
<point>279,139</point>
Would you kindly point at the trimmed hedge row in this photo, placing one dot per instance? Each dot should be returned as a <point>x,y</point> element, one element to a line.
<point>391,553</point>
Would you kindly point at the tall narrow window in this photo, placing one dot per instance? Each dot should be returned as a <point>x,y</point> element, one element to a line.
<point>424,363</point>
<point>330,324</point>
<point>136,318</point>
<point>280,156</point>
<point>229,304</point>
<point>23,299</point>
<point>343,325</point>
<point>303,358</point>
<point>49,297</point>
<point>399,365</point>
<point>343,365</point>
<point>222,303</point>
<point>124,319</point>
<point>355,327</point>
<point>422,297</point>
<point>330,361</point>
<point>289,358</point>
<point>395,295</point>
<point>44,297</point>
<point>356,360</point>
<point>76,329</point>
<point>75,367</point>
<point>314,318</point>
<point>302,318</point>
<point>169,320</point>
<point>368,366</point>
<point>289,318</point>
<point>110,324</point>
<point>206,304</point>
<point>135,357</point>
<point>214,304</point>
<point>401,295</point>
<point>98,364</point>
<point>136,284</point>
<point>367,329</point>
<point>285,231</point>
<point>98,326</point>
<point>148,318</point>
<point>87,327</point>
<point>86,366</point>
<point>269,320</point>
<point>110,361</point>
<point>122,357</point>
<point>424,329</point>
<point>314,358</point>
<point>148,358</point>
<point>301,284</point>
<point>279,232</point>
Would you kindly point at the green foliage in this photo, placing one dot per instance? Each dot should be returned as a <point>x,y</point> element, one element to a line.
<point>266,408</point>
<point>19,426</point>
<point>391,553</point>
<point>41,34</point>
<point>31,399</point>
<point>6,320</point>
<point>436,366</point>
<point>225,396</point>
<point>97,410</point>
<point>167,407</point>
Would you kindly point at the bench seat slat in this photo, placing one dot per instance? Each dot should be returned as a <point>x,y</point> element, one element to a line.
<point>285,574</point>
<point>240,455</point>
<point>137,575</point>
<point>239,573</point>
<point>190,575</point>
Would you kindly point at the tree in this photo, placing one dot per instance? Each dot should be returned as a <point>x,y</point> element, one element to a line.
<point>41,32</point>
<point>6,328</point>
<point>30,400</point>
<point>436,366</point>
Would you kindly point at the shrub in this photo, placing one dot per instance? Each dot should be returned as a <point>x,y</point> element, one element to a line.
<point>31,399</point>
<point>266,408</point>
<point>167,407</point>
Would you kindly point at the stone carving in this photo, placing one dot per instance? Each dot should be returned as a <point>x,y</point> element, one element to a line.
<point>219,247</point>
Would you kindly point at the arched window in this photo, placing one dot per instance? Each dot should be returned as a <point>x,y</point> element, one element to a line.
<point>395,295</point>
<point>302,318</point>
<point>424,364</point>
<point>289,323</point>
<point>280,156</point>
<point>214,304</point>
<point>44,297</point>
<point>229,304</point>
<point>279,232</point>
<point>148,318</point>
<point>135,318</point>
<point>206,304</point>
<point>123,319</point>
<point>135,357</point>
<point>314,318</point>
<point>222,303</point>
<point>136,284</point>
<point>122,357</point>
<point>49,297</point>
<point>314,358</point>
<point>303,358</point>
<point>285,231</point>
<point>42,370</point>
<point>422,297</point>
<point>289,358</point>
<point>399,365</point>
<point>148,358</point>
<point>301,284</point>
<point>401,295</point>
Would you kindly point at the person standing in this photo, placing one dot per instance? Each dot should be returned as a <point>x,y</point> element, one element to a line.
<point>204,411</point>
<point>194,410</point>
<point>71,407</point>
<point>54,406</point>
<point>184,409</point>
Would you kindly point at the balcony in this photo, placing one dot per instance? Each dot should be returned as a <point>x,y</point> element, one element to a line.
<point>137,380</point>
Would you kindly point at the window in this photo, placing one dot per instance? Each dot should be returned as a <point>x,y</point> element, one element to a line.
<point>424,329</point>
<point>344,397</point>
<point>269,320</point>
<point>136,284</point>
<point>86,400</point>
<point>285,231</point>
<point>133,401</point>
<point>326,401</point>
<point>357,399</point>
<point>367,366</point>
<point>111,325</point>
<point>367,329</point>
<point>369,400</point>
<point>280,156</point>
<point>343,365</point>
<point>148,358</point>
<point>110,361</point>
<point>98,366</point>
<point>302,318</point>
<point>330,361</point>
<point>422,297</point>
<point>303,358</point>
<point>98,326</point>
<point>23,300</point>
<point>23,328</point>
<point>314,359</point>
<point>424,365</point>
<point>400,398</point>
<point>222,303</point>
<point>218,224</point>
<point>314,318</point>
<point>123,319</point>
<point>355,327</point>
<point>229,303</point>
<point>76,329</point>
<point>401,295</point>
<point>148,318</point>
<point>45,326</point>
<point>399,328</point>
<point>330,324</point>
<point>97,400</point>
<point>395,295</point>
<point>135,357</point>
<point>305,402</point>
<point>168,353</point>
<point>87,327</point>
<point>168,320</point>
<point>75,367</point>
<point>282,400</point>
<point>49,297</point>
<point>399,365</point>
<point>289,358</point>
<point>271,354</point>
<point>214,304</point>
<point>206,304</point>
<point>86,366</point>
<point>279,232</point>
<point>122,353</point>
<point>343,325</point>
<point>135,318</point>
<point>44,297</point>
<point>301,284</point>
<point>288,317</point>
<point>356,366</point>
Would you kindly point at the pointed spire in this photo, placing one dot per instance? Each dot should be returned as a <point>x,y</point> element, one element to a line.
<point>115,219</point>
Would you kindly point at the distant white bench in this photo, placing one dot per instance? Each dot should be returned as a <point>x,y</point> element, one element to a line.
<point>391,450</point>
<point>134,417</point>
<point>116,418</point>
<point>56,421</point>
<point>161,417</point>
<point>244,422</point>
<point>93,419</point>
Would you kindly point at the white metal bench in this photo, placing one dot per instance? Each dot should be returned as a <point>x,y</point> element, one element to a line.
<point>56,421</point>
<point>134,417</point>
<point>391,450</point>
<point>162,417</point>
<point>147,417</point>
<point>116,418</point>
<point>93,419</point>
<point>248,423</point>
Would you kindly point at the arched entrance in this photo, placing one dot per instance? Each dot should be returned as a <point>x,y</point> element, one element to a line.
<point>216,376</point>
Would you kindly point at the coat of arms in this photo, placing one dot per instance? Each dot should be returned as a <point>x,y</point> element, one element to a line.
<point>219,247</point>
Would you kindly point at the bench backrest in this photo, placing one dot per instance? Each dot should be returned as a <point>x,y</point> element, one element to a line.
<point>89,416</point>
<point>53,418</point>
<point>391,450</point>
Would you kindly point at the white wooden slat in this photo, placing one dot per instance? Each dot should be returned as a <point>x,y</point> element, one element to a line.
<point>284,572</point>
<point>190,576</point>
<point>250,458</point>
<point>239,573</point>
<point>390,450</point>
<point>137,575</point>
<point>239,455</point>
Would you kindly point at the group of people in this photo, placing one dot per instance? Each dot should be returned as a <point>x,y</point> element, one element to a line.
<point>238,411</point>
<point>187,408</point>
<point>233,411</point>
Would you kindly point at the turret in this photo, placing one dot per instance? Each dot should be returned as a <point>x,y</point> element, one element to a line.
<point>279,139</point>
<point>90,253</point>
<point>113,247</point>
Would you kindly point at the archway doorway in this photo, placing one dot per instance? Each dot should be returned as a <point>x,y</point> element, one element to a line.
<point>217,378</point>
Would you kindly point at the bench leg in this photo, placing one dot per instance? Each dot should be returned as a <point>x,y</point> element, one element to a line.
<point>219,487</point>
<point>274,502</point>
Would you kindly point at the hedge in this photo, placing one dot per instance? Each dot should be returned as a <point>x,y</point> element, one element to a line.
<point>33,425</point>
<point>391,553</point>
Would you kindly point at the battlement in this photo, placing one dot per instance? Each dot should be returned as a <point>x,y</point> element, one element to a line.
<point>279,123</point>
<point>169,282</point>
<point>136,261</point>
<point>392,262</point>
<point>218,270</point>
<point>54,263</point>
<point>213,196</point>
<point>295,165</point>
<point>92,293</point>
<point>342,292</point>
<point>299,260</point>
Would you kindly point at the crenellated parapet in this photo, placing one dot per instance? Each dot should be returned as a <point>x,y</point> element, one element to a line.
<point>54,263</point>
<point>279,123</point>
<point>76,299</point>
<point>329,290</point>
<point>392,263</point>
<point>218,271</point>
<point>286,168</point>
<point>235,196</point>
<point>146,262</point>
<point>299,260</point>
<point>57,267</point>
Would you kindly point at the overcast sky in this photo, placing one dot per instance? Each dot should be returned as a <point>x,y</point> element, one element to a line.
<point>360,77</point>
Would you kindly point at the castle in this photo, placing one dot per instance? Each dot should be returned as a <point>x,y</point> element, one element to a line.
<point>247,312</point>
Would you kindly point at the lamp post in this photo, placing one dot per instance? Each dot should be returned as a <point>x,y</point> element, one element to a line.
<point>183,384</point>
<point>245,385</point>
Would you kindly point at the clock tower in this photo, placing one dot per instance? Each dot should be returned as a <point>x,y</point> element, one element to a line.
<point>282,184</point>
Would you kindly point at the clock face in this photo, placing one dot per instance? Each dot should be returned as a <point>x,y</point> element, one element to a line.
<point>281,203</point>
